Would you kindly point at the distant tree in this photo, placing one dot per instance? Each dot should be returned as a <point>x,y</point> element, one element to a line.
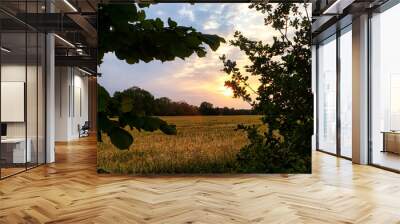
<point>138,100</point>
<point>162,106</point>
<point>186,109</point>
<point>207,108</point>
<point>125,31</point>
<point>227,111</point>
<point>284,97</point>
<point>143,103</point>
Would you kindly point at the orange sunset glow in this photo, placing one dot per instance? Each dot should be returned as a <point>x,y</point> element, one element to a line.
<point>194,79</point>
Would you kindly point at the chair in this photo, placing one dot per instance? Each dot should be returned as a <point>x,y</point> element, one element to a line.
<point>84,130</point>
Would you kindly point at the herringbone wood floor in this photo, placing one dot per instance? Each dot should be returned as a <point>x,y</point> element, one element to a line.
<point>70,191</point>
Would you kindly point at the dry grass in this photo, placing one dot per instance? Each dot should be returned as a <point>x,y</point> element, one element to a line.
<point>204,144</point>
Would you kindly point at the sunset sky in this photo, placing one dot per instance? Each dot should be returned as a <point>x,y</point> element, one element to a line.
<point>195,79</point>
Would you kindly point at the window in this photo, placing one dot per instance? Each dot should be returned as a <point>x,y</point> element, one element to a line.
<point>346,92</point>
<point>22,77</point>
<point>327,95</point>
<point>385,89</point>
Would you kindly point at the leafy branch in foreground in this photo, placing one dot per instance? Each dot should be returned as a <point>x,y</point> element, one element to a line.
<point>125,31</point>
<point>283,70</point>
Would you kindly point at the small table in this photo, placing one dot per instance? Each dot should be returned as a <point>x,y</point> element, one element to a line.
<point>391,141</point>
<point>13,150</point>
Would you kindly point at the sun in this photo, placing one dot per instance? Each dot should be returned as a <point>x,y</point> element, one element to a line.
<point>226,91</point>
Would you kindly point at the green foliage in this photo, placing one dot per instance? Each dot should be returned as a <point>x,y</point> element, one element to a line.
<point>269,156</point>
<point>120,138</point>
<point>122,107</point>
<point>146,123</point>
<point>125,31</point>
<point>284,97</point>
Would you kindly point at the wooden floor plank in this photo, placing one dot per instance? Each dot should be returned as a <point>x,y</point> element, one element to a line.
<point>70,191</point>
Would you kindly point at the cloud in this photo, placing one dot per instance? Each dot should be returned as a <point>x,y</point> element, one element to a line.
<point>211,25</point>
<point>159,13</point>
<point>194,79</point>
<point>186,12</point>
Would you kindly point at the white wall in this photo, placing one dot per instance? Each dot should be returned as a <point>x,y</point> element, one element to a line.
<point>71,102</point>
<point>62,81</point>
<point>81,112</point>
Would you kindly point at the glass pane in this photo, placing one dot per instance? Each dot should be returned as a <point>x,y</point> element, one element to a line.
<point>31,98</point>
<point>22,67</point>
<point>346,93</point>
<point>385,84</point>
<point>327,95</point>
<point>32,87</point>
<point>13,86</point>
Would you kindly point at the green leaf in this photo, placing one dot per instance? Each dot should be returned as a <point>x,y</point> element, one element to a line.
<point>159,24</point>
<point>141,15</point>
<point>168,129</point>
<point>193,40</point>
<point>213,41</point>
<point>152,123</point>
<point>144,5</point>
<point>132,120</point>
<point>147,24</point>
<point>104,124</point>
<point>120,138</point>
<point>201,53</point>
<point>171,23</point>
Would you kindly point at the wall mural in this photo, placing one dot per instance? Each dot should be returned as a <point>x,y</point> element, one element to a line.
<point>204,88</point>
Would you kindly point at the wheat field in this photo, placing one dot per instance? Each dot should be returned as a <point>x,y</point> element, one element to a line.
<point>203,144</point>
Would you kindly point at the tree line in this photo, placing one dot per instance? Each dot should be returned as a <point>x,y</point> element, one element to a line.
<point>144,103</point>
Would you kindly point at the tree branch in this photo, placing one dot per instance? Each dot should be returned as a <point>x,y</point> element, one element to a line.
<point>305,7</point>
<point>285,36</point>
<point>248,86</point>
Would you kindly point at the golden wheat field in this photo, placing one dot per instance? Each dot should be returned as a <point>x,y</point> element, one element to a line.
<point>203,144</point>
